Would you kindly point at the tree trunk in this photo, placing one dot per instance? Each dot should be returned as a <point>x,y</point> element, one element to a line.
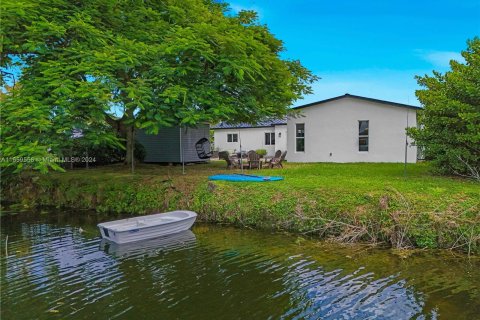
<point>119,127</point>
<point>130,159</point>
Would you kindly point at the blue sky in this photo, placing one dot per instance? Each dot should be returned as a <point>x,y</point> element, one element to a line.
<point>372,48</point>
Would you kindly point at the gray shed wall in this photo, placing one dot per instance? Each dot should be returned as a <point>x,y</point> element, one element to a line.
<point>190,136</point>
<point>165,146</point>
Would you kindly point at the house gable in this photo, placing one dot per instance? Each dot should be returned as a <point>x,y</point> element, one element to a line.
<point>351,96</point>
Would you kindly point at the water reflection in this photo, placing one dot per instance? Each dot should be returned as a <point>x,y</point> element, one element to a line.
<point>53,270</point>
<point>317,294</point>
<point>151,247</point>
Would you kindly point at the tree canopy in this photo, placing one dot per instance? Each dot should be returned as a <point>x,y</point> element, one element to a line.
<point>97,64</point>
<point>449,125</point>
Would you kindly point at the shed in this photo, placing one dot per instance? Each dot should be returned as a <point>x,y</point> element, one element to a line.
<point>176,144</point>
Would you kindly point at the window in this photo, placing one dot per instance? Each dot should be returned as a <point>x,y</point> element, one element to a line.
<point>269,138</point>
<point>300,137</point>
<point>232,137</point>
<point>363,135</point>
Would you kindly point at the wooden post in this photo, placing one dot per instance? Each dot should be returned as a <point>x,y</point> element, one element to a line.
<point>406,150</point>
<point>133,149</point>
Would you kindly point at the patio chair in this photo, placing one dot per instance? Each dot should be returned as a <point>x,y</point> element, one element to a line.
<point>277,163</point>
<point>275,158</point>
<point>231,163</point>
<point>254,161</point>
<point>242,155</point>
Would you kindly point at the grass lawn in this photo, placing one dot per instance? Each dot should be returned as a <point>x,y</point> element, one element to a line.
<point>356,177</point>
<point>343,202</point>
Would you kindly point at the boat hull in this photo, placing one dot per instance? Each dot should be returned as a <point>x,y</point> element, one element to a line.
<point>147,227</point>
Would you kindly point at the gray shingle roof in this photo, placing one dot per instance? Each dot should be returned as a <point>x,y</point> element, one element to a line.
<point>260,124</point>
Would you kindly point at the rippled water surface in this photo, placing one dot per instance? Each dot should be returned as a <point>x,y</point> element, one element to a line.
<point>54,265</point>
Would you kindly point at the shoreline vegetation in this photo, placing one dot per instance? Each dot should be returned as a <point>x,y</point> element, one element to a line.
<point>347,203</point>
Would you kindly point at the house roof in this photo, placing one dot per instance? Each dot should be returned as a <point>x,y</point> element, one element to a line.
<point>260,124</point>
<point>283,121</point>
<point>389,103</point>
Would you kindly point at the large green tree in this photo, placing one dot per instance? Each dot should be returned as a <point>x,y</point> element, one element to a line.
<point>449,125</point>
<point>139,64</point>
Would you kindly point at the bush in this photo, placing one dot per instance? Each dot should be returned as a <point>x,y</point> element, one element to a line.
<point>140,153</point>
<point>103,154</point>
<point>449,124</point>
<point>261,152</point>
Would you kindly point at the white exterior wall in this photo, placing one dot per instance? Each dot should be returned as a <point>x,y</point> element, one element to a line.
<point>280,137</point>
<point>252,139</point>
<point>331,132</point>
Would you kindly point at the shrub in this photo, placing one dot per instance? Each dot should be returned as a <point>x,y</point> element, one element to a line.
<point>140,153</point>
<point>449,124</point>
<point>261,152</point>
<point>103,154</point>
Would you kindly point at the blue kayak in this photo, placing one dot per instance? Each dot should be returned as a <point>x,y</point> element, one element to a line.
<point>243,178</point>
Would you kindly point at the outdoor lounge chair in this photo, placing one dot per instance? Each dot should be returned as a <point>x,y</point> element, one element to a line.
<point>277,162</point>
<point>254,161</point>
<point>275,158</point>
<point>231,163</point>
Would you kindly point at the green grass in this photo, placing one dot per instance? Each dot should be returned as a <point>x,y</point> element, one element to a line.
<point>343,202</point>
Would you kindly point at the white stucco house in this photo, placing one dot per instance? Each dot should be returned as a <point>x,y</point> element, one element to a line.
<point>270,135</point>
<point>352,128</point>
<point>346,128</point>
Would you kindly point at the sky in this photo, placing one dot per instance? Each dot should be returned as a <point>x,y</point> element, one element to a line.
<point>372,48</point>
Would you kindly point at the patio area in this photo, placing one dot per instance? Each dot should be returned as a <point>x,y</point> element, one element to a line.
<point>252,160</point>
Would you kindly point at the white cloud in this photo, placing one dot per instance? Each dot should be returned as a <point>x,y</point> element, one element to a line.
<point>440,59</point>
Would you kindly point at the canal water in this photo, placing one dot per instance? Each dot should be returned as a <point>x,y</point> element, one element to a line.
<point>54,265</point>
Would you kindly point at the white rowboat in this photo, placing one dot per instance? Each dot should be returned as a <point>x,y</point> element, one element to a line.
<point>147,227</point>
